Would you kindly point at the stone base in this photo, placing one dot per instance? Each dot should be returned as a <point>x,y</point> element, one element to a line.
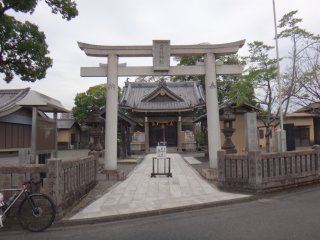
<point>210,174</point>
<point>189,146</point>
<point>137,146</point>
<point>115,175</point>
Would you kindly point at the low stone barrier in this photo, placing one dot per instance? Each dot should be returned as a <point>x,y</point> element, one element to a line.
<point>268,171</point>
<point>65,181</point>
<point>68,181</point>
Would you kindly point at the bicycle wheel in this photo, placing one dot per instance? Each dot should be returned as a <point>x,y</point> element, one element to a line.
<point>40,216</point>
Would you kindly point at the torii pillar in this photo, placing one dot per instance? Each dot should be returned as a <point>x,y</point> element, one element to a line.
<point>213,123</point>
<point>111,129</point>
<point>161,51</point>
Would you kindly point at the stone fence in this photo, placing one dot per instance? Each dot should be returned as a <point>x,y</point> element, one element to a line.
<point>268,171</point>
<point>65,181</point>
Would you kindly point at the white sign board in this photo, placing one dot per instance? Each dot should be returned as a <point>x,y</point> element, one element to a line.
<point>161,151</point>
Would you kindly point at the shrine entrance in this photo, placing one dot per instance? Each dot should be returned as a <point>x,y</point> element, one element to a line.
<point>161,51</point>
<point>163,133</point>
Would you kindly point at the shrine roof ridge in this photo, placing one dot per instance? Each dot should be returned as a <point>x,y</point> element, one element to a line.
<point>189,94</point>
<point>168,83</point>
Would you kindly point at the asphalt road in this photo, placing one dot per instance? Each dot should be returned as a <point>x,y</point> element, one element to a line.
<point>291,215</point>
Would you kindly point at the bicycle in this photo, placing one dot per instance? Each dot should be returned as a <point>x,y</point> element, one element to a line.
<point>36,211</point>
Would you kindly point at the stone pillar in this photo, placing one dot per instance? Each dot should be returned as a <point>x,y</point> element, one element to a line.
<point>55,151</point>
<point>55,182</point>
<point>251,133</point>
<point>280,141</point>
<point>34,128</point>
<point>179,129</point>
<point>214,141</point>
<point>146,134</point>
<point>221,167</point>
<point>110,161</point>
<point>255,170</point>
<point>317,156</point>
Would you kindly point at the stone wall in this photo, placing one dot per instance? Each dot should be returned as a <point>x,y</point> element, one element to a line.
<point>268,171</point>
<point>65,181</point>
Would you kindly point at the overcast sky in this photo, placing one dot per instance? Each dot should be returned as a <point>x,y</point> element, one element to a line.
<point>138,22</point>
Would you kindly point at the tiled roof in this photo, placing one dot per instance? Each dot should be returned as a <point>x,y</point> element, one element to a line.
<point>301,115</point>
<point>65,123</point>
<point>312,108</point>
<point>9,97</point>
<point>128,119</point>
<point>13,99</point>
<point>182,96</point>
<point>43,102</point>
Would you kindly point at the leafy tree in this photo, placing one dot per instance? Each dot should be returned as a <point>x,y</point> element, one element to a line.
<point>189,61</point>
<point>85,102</point>
<point>301,78</point>
<point>23,49</point>
<point>199,135</point>
<point>150,79</point>
<point>235,88</point>
<point>262,73</point>
<point>230,87</point>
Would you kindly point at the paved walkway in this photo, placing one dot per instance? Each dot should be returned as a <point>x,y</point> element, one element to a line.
<point>141,193</point>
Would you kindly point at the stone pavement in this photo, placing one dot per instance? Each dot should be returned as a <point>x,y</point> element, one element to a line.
<point>141,193</point>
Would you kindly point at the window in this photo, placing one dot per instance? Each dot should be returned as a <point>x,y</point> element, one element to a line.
<point>261,134</point>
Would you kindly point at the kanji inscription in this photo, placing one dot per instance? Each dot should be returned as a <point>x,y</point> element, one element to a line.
<point>161,55</point>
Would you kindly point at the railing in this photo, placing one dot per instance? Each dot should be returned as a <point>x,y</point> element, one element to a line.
<point>12,176</point>
<point>265,171</point>
<point>66,181</point>
<point>236,167</point>
<point>289,164</point>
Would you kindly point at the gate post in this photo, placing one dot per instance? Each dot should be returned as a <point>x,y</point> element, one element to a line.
<point>110,161</point>
<point>214,142</point>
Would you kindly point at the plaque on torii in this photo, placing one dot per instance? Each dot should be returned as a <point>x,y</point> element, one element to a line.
<point>161,51</point>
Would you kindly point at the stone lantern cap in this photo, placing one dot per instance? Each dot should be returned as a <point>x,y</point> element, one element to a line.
<point>95,117</point>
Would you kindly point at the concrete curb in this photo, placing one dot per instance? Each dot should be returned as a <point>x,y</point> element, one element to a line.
<point>121,217</point>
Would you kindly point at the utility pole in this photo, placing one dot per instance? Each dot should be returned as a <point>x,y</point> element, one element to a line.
<point>282,144</point>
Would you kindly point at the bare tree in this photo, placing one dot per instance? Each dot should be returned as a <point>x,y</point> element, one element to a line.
<point>301,77</point>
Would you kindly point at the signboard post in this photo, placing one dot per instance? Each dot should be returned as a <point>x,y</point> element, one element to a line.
<point>161,162</point>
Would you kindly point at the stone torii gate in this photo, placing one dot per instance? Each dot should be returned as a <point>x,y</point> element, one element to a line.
<point>161,51</point>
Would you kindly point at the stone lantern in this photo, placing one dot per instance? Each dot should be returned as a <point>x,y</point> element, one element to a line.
<point>228,117</point>
<point>96,122</point>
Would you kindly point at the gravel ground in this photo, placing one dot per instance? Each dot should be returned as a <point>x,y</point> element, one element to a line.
<point>204,164</point>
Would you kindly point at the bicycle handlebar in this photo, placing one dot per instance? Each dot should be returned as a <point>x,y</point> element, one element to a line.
<point>29,182</point>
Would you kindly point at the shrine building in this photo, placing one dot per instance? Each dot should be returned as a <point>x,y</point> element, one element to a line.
<point>167,109</point>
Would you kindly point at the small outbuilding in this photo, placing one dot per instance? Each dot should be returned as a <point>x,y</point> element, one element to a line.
<point>69,134</point>
<point>25,129</point>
